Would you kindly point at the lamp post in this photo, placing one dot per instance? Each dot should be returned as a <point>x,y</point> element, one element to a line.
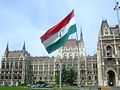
<point>60,73</point>
<point>117,8</point>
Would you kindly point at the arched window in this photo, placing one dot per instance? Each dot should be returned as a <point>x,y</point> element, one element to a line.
<point>82,78</point>
<point>118,51</point>
<point>6,77</point>
<point>16,65</point>
<point>20,65</point>
<point>89,77</point>
<point>57,66</point>
<point>7,65</point>
<point>94,65</point>
<point>19,77</point>
<point>11,65</point>
<point>95,77</point>
<point>65,56</point>
<point>82,71</point>
<point>109,51</point>
<point>40,78</point>
<point>3,65</point>
<point>15,77</point>
<point>9,76</point>
<point>70,56</point>
<point>45,78</point>
<point>2,77</point>
<point>51,78</point>
<point>106,32</point>
<point>76,56</point>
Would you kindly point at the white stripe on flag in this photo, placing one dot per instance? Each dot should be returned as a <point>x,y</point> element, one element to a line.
<point>56,37</point>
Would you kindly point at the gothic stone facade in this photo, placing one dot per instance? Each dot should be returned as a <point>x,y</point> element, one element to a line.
<point>73,55</point>
<point>14,66</point>
<point>108,55</point>
<point>42,69</point>
<point>18,67</point>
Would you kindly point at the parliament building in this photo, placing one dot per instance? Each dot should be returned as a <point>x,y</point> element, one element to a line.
<point>102,68</point>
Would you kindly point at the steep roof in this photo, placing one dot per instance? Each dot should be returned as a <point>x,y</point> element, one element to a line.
<point>70,43</point>
<point>15,53</point>
<point>91,57</point>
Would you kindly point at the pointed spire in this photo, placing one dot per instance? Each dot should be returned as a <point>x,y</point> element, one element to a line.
<point>7,47</point>
<point>81,36</point>
<point>24,48</point>
<point>7,50</point>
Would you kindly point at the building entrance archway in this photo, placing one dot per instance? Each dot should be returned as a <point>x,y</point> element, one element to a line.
<point>111,78</point>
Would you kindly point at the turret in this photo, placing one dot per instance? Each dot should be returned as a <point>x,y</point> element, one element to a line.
<point>105,29</point>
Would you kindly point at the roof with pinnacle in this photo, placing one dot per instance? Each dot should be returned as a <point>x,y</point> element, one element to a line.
<point>91,57</point>
<point>70,43</point>
<point>113,29</point>
<point>15,53</point>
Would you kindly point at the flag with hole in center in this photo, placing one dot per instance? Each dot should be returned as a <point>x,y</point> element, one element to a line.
<point>58,34</point>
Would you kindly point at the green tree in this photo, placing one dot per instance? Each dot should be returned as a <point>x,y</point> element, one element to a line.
<point>68,77</point>
<point>72,77</point>
<point>64,75</point>
<point>57,77</point>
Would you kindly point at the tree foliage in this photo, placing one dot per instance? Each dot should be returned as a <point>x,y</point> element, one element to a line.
<point>69,76</point>
<point>57,75</point>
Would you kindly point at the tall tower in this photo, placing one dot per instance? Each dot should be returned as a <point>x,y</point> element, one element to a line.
<point>12,63</point>
<point>108,55</point>
<point>82,60</point>
<point>72,57</point>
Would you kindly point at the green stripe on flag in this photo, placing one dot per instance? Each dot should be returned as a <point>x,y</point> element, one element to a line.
<point>61,41</point>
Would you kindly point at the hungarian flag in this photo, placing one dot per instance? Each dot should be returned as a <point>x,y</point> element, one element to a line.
<point>58,34</point>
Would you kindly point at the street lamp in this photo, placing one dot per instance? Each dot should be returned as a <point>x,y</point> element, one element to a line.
<point>117,7</point>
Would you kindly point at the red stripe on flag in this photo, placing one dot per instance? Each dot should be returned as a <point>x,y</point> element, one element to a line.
<point>57,27</point>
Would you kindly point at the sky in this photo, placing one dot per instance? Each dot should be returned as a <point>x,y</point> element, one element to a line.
<point>28,20</point>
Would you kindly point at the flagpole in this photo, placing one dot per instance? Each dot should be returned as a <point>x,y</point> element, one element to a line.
<point>78,58</point>
<point>65,27</point>
<point>60,77</point>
